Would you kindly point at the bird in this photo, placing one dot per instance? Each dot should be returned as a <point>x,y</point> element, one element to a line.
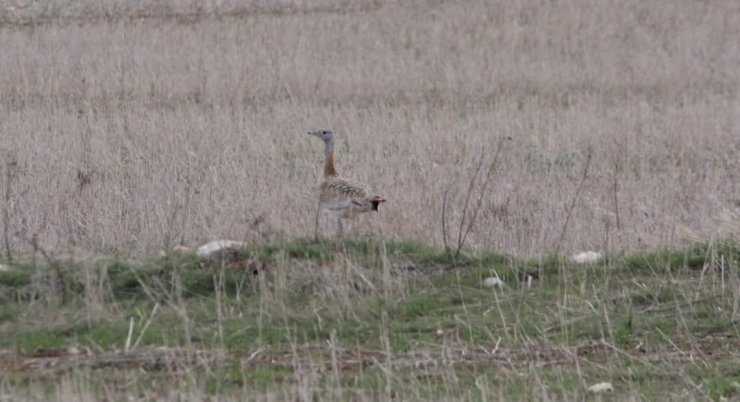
<point>340,197</point>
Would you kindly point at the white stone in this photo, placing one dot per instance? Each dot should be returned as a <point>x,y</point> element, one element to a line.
<point>217,245</point>
<point>601,387</point>
<point>586,257</point>
<point>493,282</point>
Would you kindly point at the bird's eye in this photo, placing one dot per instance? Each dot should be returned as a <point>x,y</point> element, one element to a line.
<point>324,132</point>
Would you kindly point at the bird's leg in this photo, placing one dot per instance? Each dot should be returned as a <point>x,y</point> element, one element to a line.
<point>341,228</point>
<point>316,225</point>
<point>352,232</point>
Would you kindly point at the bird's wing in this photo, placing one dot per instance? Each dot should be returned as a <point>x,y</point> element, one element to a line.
<point>344,190</point>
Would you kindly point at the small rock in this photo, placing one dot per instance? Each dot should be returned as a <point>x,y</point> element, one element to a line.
<point>4,268</point>
<point>601,387</point>
<point>586,257</point>
<point>440,332</point>
<point>215,246</point>
<point>180,249</point>
<point>493,282</point>
<point>73,351</point>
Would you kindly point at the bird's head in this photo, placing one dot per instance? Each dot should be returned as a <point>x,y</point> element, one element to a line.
<point>325,135</point>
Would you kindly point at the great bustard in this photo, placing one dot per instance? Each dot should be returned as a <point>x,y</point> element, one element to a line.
<point>341,198</point>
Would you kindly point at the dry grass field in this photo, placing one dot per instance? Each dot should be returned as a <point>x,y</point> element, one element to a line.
<point>152,123</point>
<point>127,128</point>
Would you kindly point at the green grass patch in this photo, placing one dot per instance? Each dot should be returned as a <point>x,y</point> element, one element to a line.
<point>290,301</point>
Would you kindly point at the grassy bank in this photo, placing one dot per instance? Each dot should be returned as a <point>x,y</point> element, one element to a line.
<point>369,319</point>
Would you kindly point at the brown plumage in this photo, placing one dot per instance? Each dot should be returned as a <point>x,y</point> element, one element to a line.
<point>340,197</point>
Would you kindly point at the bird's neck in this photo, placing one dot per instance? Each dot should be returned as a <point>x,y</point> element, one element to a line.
<point>329,169</point>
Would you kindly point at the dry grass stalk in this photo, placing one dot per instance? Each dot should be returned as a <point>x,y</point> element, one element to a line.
<point>10,164</point>
<point>577,193</point>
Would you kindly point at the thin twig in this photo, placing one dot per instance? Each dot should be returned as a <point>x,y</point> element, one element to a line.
<point>467,202</point>
<point>484,187</point>
<point>190,191</point>
<point>54,264</point>
<point>444,221</point>
<point>617,170</point>
<point>573,203</point>
<point>10,164</point>
<point>170,223</point>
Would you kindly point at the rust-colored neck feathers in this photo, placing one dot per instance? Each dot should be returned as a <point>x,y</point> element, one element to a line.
<point>329,170</point>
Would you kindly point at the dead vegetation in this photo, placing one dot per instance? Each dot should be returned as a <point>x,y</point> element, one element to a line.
<point>133,131</point>
<point>455,353</point>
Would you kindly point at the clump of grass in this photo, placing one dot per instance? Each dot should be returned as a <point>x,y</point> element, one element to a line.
<point>351,316</point>
<point>14,278</point>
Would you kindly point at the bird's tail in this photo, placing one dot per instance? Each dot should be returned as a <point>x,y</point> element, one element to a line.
<point>376,200</point>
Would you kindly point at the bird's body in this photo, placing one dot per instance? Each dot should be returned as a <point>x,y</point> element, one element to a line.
<point>339,197</point>
<point>348,197</point>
